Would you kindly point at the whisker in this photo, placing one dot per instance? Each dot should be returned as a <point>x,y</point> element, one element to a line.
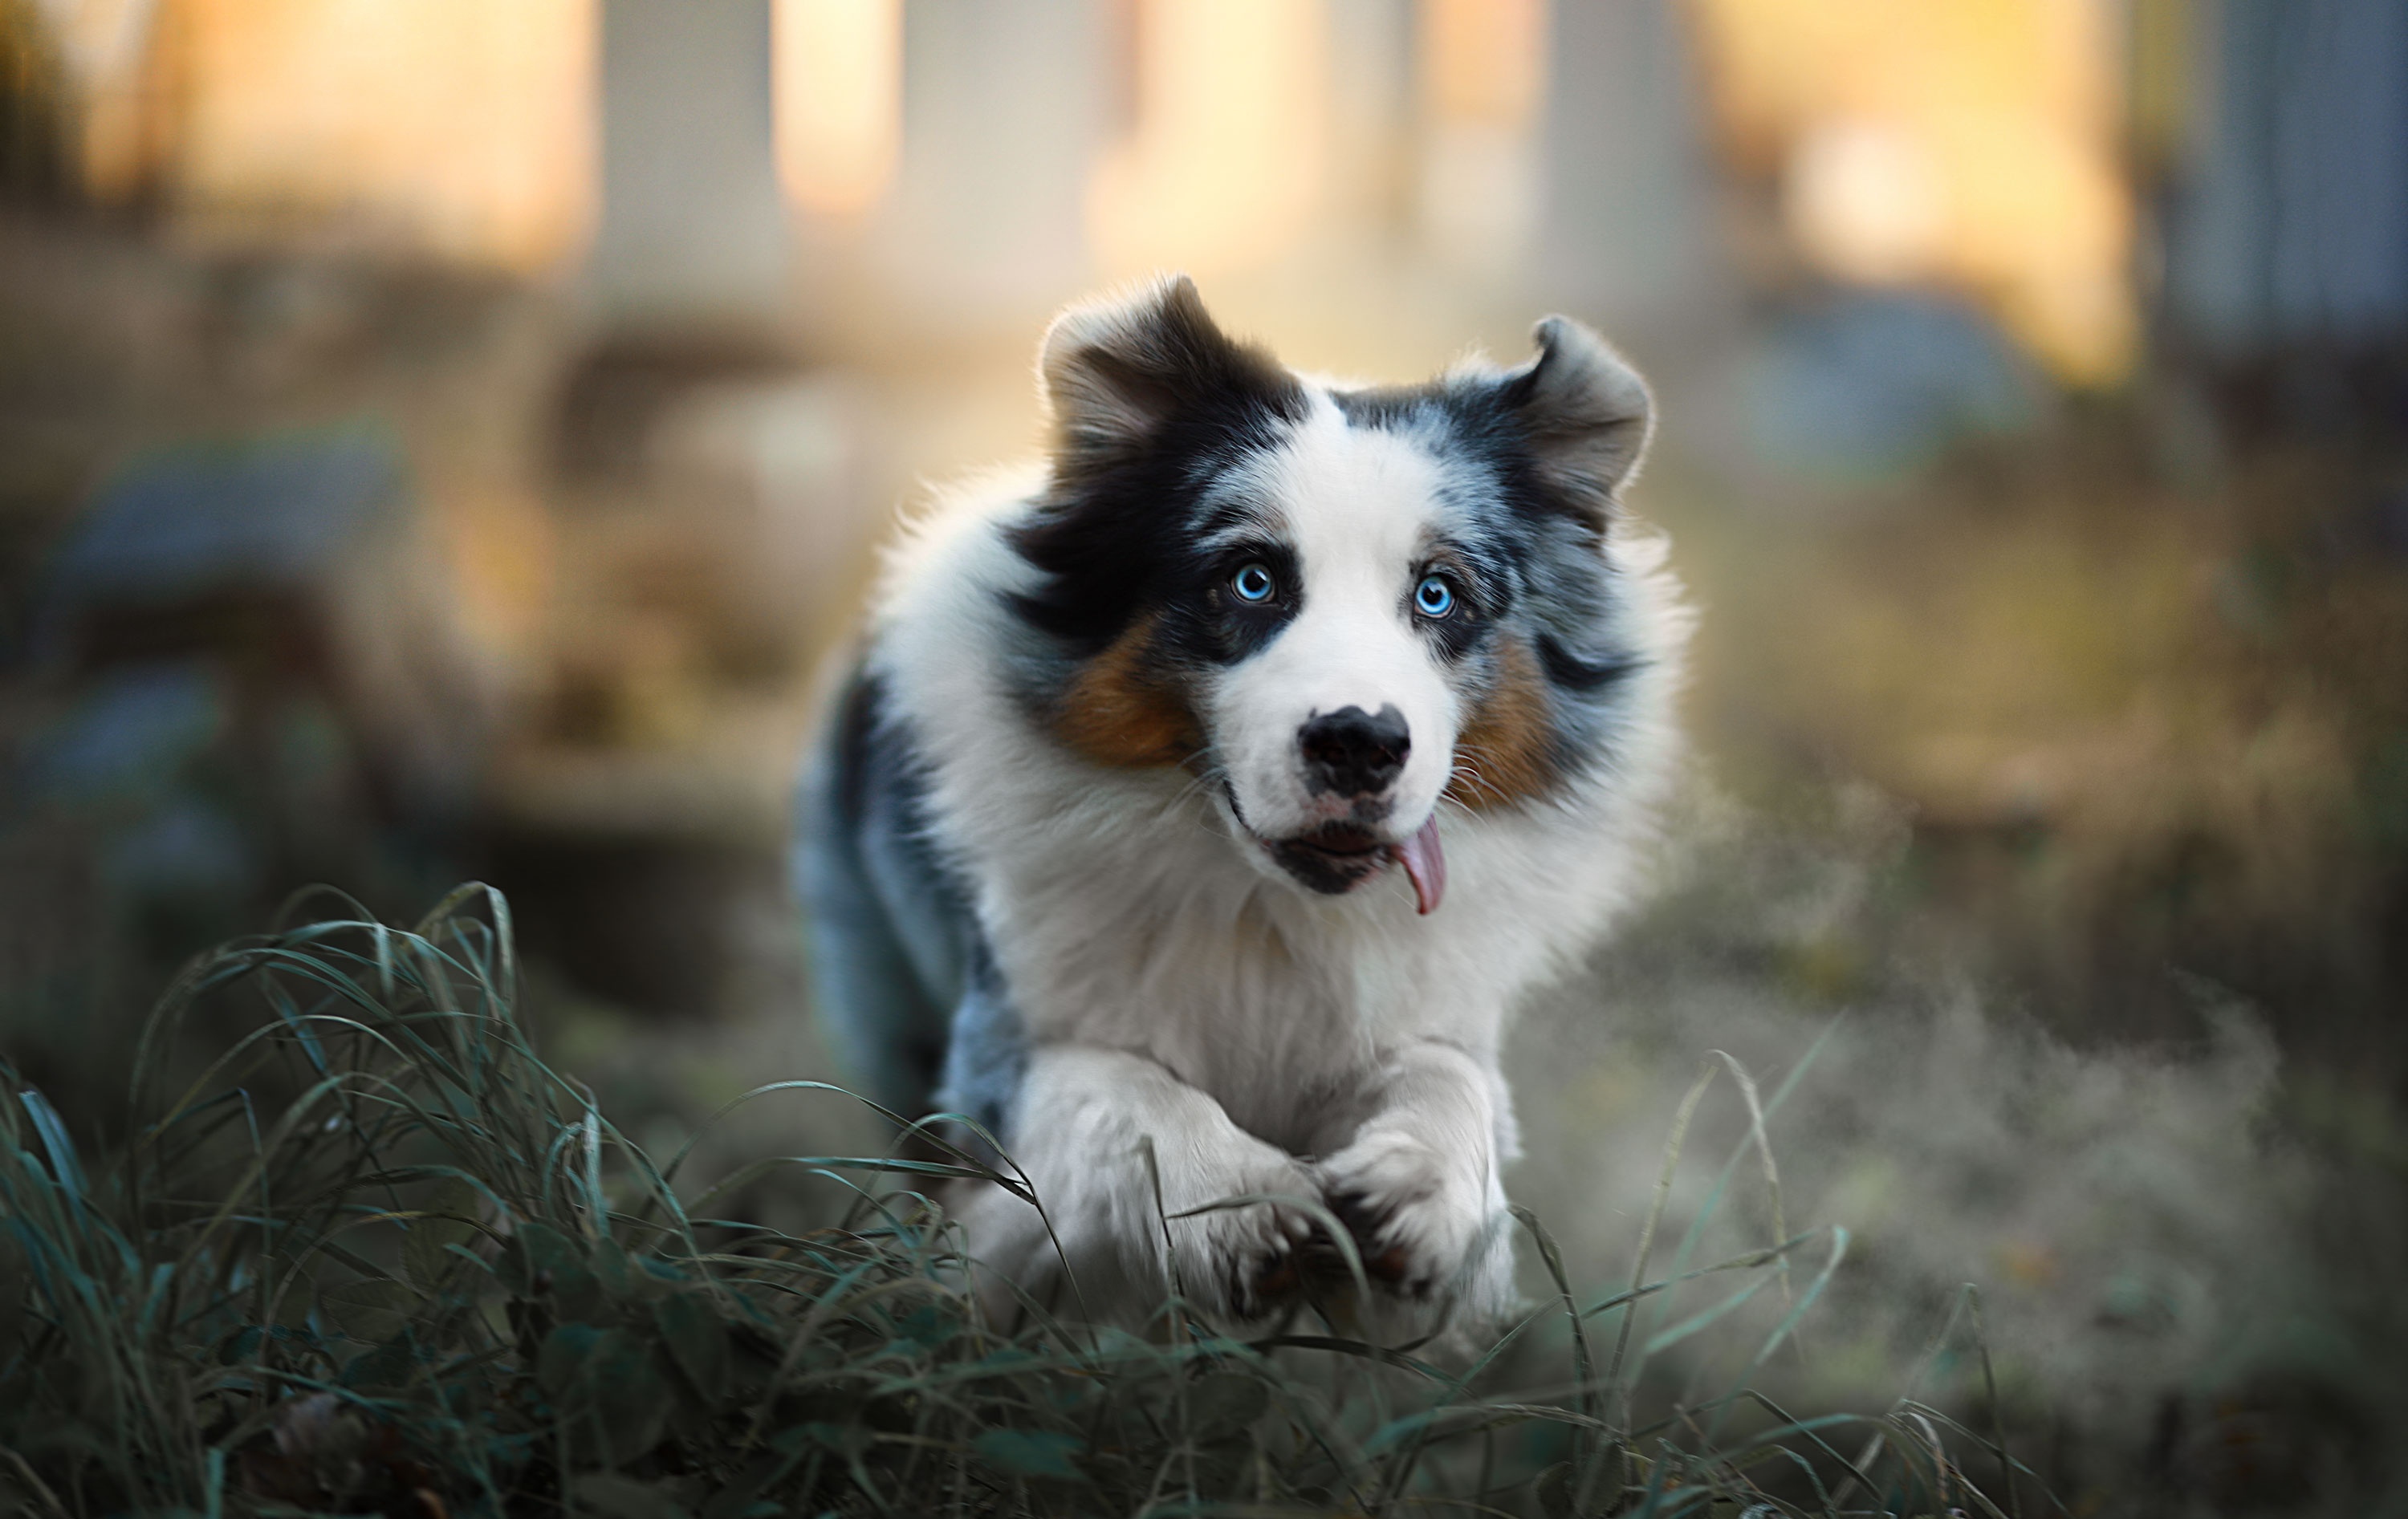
<point>1200,781</point>
<point>1472,773</point>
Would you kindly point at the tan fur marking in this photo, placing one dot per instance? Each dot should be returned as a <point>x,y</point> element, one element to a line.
<point>1504,755</point>
<point>1119,710</point>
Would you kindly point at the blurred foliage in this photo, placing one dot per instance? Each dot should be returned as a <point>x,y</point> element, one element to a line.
<point>2141,711</point>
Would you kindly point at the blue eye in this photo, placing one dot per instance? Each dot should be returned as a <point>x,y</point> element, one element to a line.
<point>1434,597</point>
<point>1252,582</point>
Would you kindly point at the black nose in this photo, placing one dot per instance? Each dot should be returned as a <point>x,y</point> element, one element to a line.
<point>1351,752</point>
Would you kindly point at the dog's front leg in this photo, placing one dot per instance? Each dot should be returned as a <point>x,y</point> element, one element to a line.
<point>1419,1181</point>
<point>1084,1124</point>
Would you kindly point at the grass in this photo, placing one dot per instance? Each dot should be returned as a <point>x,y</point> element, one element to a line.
<point>430,1278</point>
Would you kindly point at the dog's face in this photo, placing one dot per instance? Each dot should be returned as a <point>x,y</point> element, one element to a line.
<point>1339,609</point>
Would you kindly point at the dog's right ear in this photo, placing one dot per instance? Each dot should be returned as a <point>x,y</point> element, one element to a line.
<point>1116,371</point>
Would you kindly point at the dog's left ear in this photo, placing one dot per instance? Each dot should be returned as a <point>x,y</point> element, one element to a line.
<point>1117,371</point>
<point>1584,412</point>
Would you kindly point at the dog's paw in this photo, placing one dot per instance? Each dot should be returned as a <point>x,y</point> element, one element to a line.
<point>1247,1261</point>
<point>1417,1217</point>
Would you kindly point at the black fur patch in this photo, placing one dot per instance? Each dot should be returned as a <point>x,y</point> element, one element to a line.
<point>1117,528</point>
<point>1584,673</point>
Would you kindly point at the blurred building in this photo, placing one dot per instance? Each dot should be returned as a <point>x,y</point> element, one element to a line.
<point>977,161</point>
<point>662,307</point>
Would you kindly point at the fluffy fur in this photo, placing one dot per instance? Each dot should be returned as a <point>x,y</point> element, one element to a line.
<point>1121,859</point>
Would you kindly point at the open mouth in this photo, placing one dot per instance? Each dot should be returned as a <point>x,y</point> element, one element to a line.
<point>1339,857</point>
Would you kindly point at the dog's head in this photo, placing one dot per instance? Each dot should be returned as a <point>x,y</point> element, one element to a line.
<point>1339,606</point>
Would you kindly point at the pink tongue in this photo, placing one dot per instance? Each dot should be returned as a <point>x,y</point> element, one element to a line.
<point>1424,861</point>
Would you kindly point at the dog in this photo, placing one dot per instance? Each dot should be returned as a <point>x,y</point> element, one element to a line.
<point>1204,798</point>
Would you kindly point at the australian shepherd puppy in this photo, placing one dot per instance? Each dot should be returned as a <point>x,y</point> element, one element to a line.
<point>1203,801</point>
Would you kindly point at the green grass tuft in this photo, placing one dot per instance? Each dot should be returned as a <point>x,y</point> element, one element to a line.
<point>430,1278</point>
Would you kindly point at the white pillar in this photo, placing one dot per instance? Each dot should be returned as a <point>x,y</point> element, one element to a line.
<point>693,233</point>
<point>1624,236</point>
<point>1003,113</point>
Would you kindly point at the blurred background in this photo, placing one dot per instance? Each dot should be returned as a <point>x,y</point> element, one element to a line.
<point>445,439</point>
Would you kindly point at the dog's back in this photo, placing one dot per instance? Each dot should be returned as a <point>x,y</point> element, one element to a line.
<point>900,971</point>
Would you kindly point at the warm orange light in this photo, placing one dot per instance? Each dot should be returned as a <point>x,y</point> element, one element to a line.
<point>1483,60</point>
<point>1223,168</point>
<point>1966,142</point>
<point>1484,71</point>
<point>104,46</point>
<point>1865,201</point>
<point>840,94</point>
<point>462,128</point>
